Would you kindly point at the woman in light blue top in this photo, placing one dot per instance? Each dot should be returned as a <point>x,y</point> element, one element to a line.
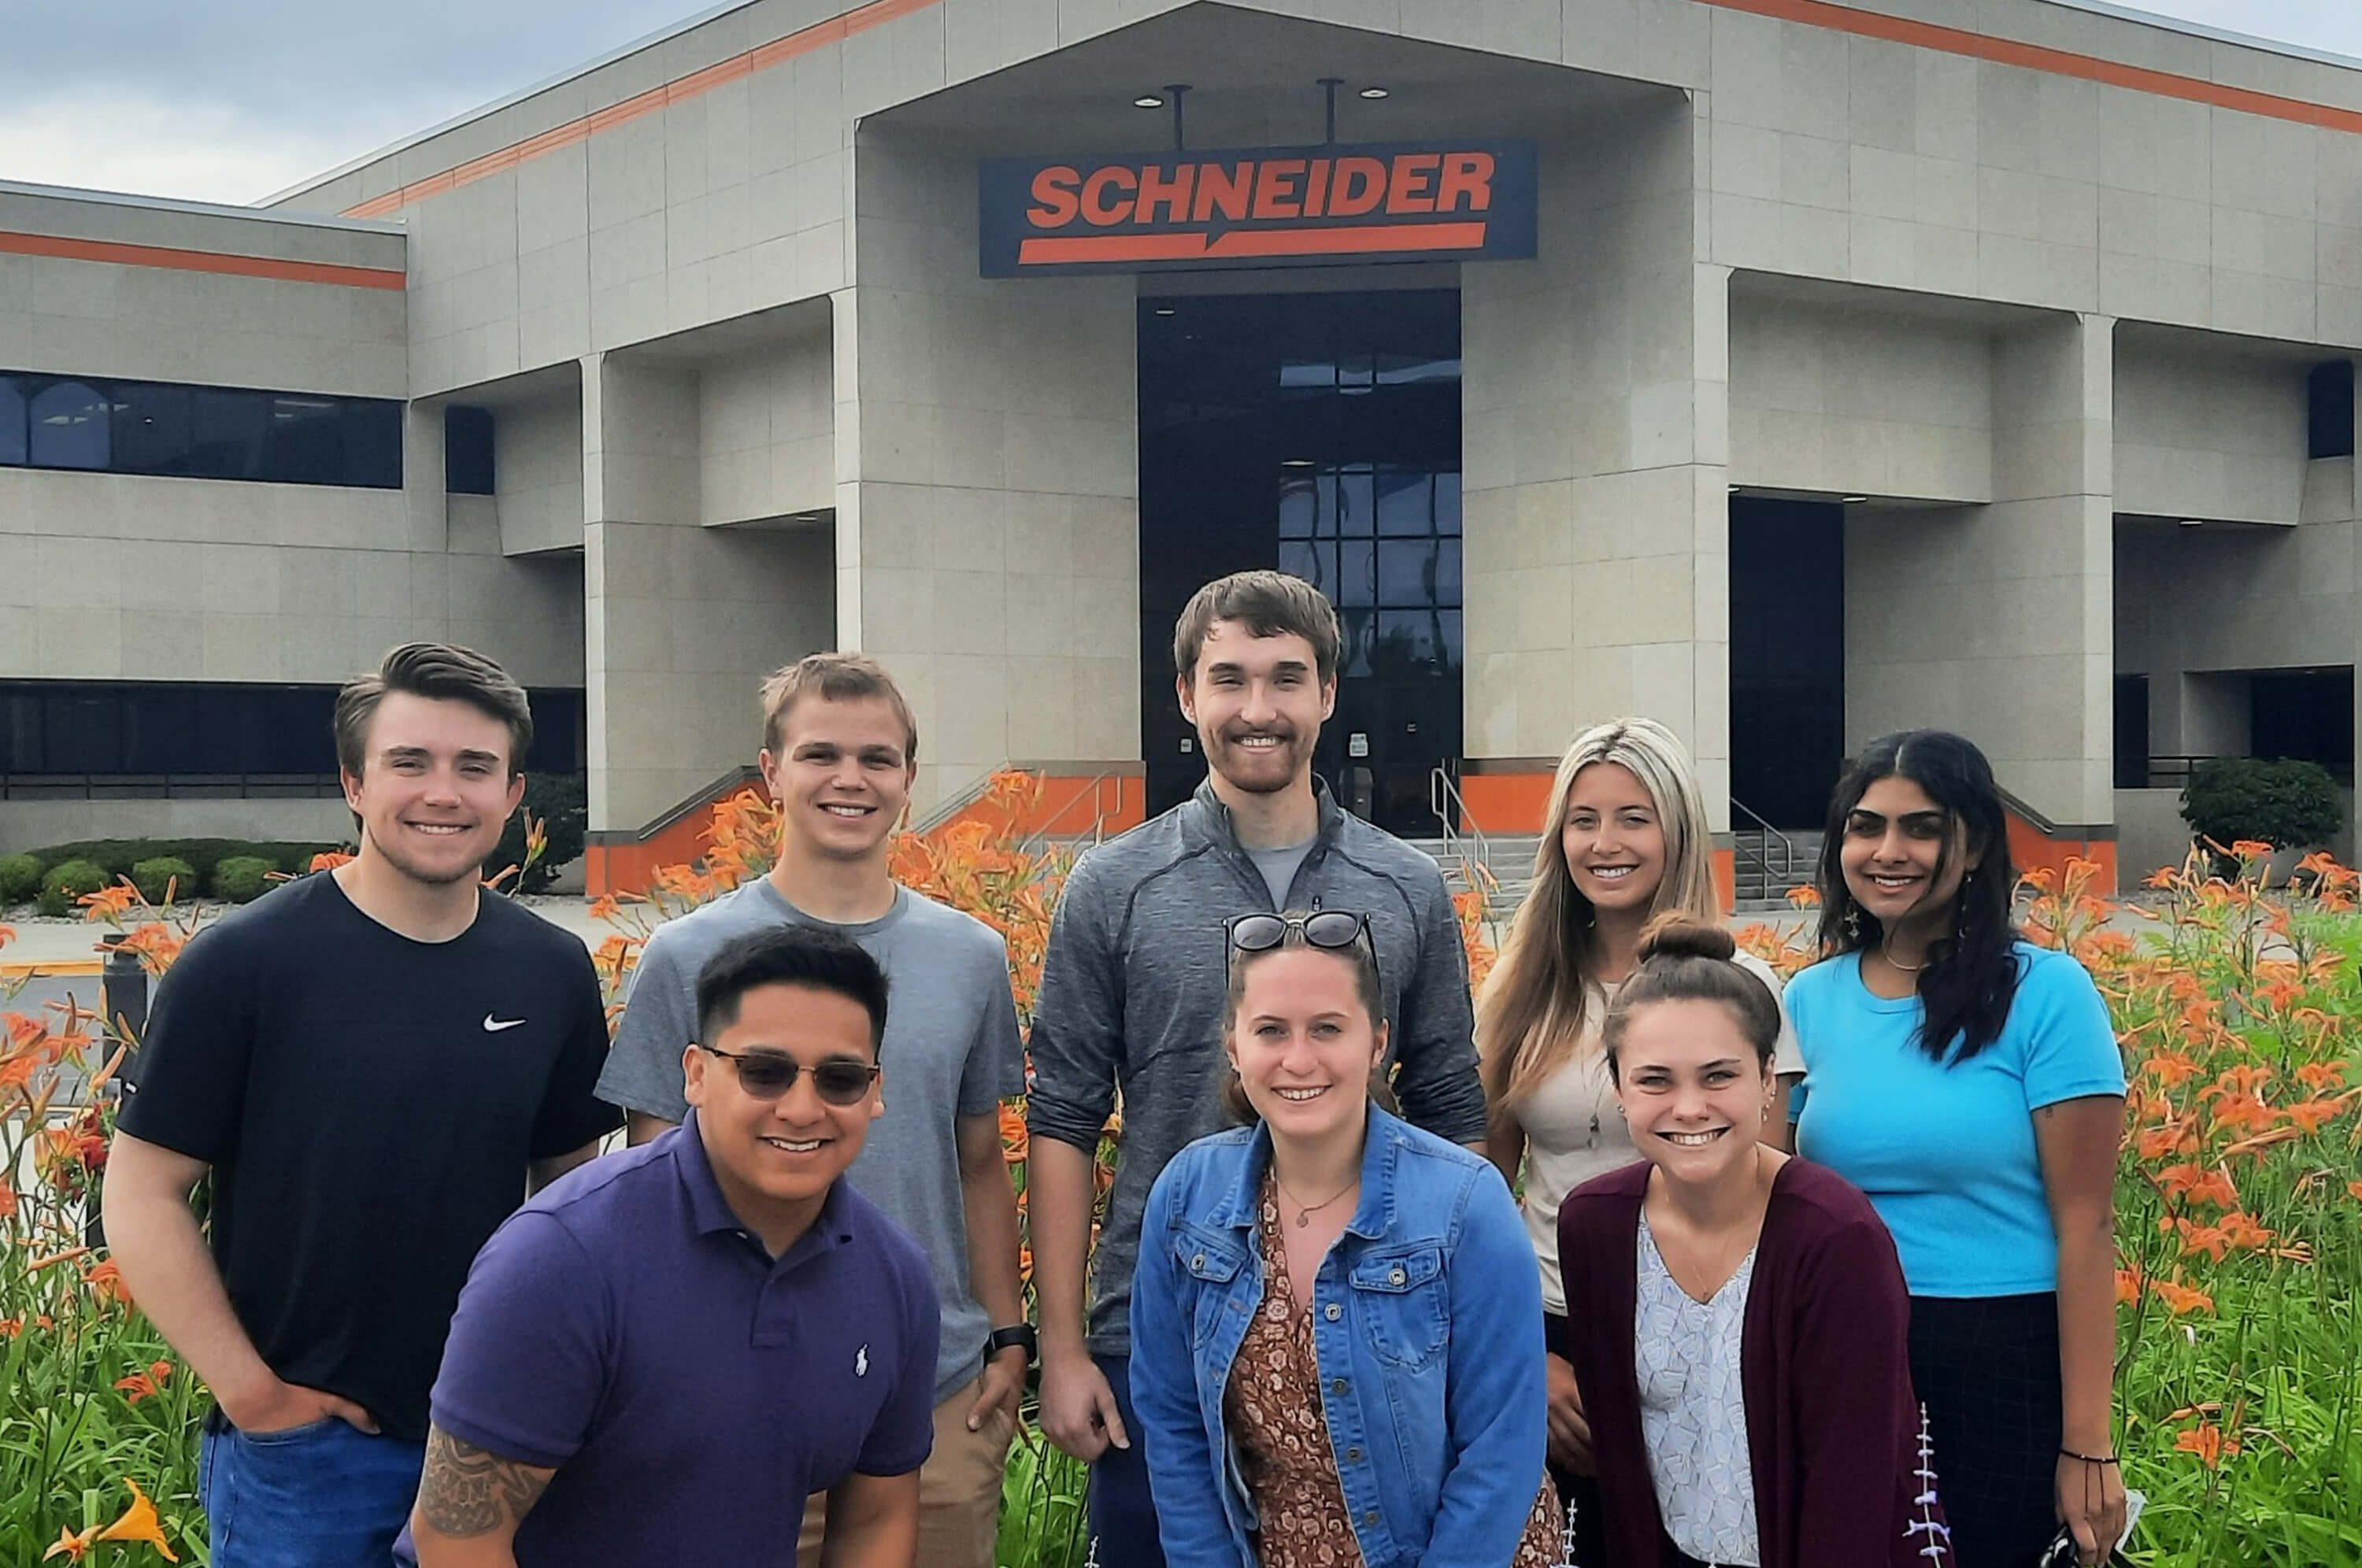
<point>1971,1084</point>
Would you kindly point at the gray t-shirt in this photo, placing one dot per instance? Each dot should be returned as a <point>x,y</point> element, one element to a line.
<point>951,1050</point>
<point>1278,868</point>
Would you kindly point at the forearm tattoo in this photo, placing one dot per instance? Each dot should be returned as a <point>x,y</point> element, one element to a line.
<point>469,1491</point>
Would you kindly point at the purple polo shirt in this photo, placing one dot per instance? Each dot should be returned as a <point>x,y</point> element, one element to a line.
<point>625,1328</point>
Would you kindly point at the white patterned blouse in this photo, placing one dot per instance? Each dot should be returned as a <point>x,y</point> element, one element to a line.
<point>1693,1411</point>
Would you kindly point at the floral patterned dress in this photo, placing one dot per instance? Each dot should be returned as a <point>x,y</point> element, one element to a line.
<point>1272,1406</point>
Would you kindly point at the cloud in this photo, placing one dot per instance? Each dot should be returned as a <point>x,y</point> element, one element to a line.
<point>231,99</point>
<point>127,141</point>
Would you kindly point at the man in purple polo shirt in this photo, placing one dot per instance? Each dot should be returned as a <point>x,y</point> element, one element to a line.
<point>659,1359</point>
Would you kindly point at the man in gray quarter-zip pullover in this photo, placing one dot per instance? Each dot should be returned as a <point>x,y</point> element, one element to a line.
<point>1133,989</point>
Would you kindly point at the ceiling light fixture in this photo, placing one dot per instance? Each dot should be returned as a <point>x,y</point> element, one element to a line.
<point>2193,522</point>
<point>1295,462</point>
<point>1852,500</point>
<point>1374,91</point>
<point>1165,310</point>
<point>1148,101</point>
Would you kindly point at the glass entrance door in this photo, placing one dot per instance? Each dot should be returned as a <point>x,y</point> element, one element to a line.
<point>1318,434</point>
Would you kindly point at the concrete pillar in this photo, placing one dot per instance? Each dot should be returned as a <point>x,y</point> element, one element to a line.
<point>422,478</point>
<point>681,622</point>
<point>1597,450</point>
<point>987,510</point>
<point>1997,620</point>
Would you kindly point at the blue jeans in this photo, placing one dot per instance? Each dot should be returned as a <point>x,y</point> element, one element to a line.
<point>1122,1511</point>
<point>322,1495</point>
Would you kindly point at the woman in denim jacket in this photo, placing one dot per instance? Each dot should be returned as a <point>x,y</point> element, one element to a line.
<point>1337,1351</point>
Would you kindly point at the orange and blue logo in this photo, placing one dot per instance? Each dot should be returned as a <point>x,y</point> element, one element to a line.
<point>1445,201</point>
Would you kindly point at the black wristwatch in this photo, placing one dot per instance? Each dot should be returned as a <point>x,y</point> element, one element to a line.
<point>1016,1334</point>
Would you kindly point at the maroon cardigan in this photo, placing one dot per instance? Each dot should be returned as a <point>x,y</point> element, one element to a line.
<point>1833,1428</point>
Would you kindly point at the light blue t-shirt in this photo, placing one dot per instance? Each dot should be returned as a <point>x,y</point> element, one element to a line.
<point>1947,1153</point>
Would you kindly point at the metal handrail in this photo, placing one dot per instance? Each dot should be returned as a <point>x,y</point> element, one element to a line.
<point>953,805</point>
<point>1787,868</point>
<point>1444,801</point>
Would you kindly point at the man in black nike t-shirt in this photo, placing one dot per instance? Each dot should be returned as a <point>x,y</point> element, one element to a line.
<point>374,1063</point>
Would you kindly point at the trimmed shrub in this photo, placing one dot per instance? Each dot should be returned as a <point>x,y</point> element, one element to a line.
<point>118,855</point>
<point>2281,801</point>
<point>165,879</point>
<point>20,877</point>
<point>242,878</point>
<point>68,882</point>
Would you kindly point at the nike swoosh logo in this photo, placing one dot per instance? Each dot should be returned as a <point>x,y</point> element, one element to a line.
<point>494,1026</point>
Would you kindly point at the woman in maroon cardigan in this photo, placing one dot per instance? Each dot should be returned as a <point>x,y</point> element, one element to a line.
<point>1740,1321</point>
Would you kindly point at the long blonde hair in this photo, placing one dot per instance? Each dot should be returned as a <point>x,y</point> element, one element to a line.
<point>1531,1014</point>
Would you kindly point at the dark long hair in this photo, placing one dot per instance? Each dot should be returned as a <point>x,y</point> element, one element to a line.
<point>1971,976</point>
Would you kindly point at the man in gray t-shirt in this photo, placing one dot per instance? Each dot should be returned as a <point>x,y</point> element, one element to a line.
<point>839,760</point>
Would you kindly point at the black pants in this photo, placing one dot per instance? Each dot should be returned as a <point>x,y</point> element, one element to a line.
<point>1578,1494</point>
<point>1122,1510</point>
<point>1987,1369</point>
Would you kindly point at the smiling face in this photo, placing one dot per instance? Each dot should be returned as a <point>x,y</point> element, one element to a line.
<point>1613,839</point>
<point>435,788</point>
<point>1258,703</point>
<point>1903,856</point>
<point>1304,1045</point>
<point>1695,1091</point>
<point>840,776</point>
<point>774,1159</point>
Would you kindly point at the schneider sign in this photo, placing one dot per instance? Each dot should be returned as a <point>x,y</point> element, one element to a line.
<point>1444,201</point>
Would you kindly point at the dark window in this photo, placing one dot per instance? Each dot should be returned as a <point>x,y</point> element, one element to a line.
<point>159,728</point>
<point>12,420</point>
<point>2132,732</point>
<point>227,431</point>
<point>2329,400</point>
<point>151,427</point>
<point>70,421</point>
<point>468,451</point>
<point>2304,713</point>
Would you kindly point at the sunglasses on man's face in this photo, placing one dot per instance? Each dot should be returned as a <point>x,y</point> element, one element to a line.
<point>767,1075</point>
<point>1322,928</point>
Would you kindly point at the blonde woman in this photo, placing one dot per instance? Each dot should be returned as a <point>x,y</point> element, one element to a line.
<point>1625,841</point>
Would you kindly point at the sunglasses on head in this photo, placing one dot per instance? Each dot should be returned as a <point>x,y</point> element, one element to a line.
<point>767,1075</point>
<point>1322,928</point>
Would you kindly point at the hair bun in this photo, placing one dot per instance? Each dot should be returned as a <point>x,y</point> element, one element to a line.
<point>1677,935</point>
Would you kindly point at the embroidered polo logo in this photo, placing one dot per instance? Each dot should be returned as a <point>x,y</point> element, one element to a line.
<point>861,1361</point>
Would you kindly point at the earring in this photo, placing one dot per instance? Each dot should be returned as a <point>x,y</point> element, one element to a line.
<point>1853,925</point>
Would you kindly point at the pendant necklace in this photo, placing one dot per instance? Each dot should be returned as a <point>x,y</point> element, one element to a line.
<point>1304,1215</point>
<point>1898,966</point>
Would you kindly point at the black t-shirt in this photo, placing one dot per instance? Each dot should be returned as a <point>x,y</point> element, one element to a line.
<point>368,1105</point>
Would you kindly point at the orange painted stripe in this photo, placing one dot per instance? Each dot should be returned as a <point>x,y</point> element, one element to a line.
<point>778,52</point>
<point>2038,57</point>
<point>1350,241</point>
<point>202,261</point>
<point>1362,239</point>
<point>1811,13</point>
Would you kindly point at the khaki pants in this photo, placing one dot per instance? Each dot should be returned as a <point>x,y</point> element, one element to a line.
<point>959,1491</point>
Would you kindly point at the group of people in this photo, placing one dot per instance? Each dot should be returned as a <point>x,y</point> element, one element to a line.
<point>1630,1260</point>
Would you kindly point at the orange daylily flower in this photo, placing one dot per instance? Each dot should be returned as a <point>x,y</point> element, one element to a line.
<point>328,860</point>
<point>2180,1299</point>
<point>2129,1288</point>
<point>2313,1114</point>
<point>139,1523</point>
<point>2206,1441</point>
<point>1805,897</point>
<point>2242,1232</point>
<point>70,1545</point>
<point>105,1282</point>
<point>2210,1240</point>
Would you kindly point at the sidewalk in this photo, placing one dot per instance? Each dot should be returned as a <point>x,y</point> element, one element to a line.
<point>46,946</point>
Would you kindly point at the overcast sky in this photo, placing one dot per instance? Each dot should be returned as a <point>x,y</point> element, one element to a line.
<point>231,99</point>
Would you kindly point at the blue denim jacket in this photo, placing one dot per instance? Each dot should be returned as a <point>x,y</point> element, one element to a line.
<point>1427,1322</point>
